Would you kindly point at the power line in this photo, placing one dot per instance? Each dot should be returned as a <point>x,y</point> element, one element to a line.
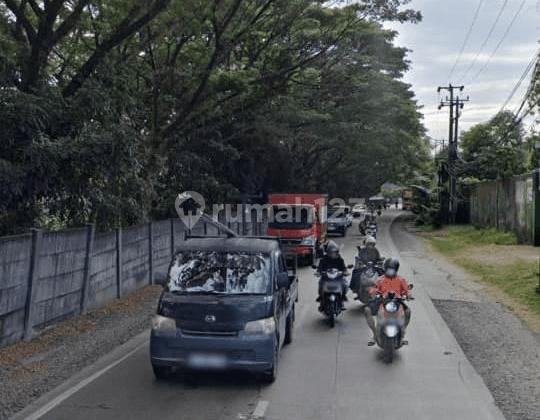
<point>487,38</point>
<point>527,95</point>
<point>518,119</point>
<point>516,86</point>
<point>500,42</point>
<point>466,39</point>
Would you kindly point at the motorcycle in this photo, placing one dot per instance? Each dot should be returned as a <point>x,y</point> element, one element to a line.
<point>364,276</point>
<point>371,230</point>
<point>366,223</point>
<point>390,323</point>
<point>331,293</point>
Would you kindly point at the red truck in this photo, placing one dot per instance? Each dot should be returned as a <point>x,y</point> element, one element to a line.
<point>300,221</point>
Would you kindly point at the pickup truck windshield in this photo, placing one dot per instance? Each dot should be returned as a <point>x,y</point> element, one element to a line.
<point>219,272</point>
<point>292,217</point>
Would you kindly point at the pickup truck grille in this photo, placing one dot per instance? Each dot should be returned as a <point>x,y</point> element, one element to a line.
<point>209,333</point>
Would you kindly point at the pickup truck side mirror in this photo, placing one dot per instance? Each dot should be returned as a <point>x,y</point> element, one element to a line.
<point>282,280</point>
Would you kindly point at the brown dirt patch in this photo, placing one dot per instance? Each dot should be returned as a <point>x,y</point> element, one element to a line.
<point>130,303</point>
<point>12,355</point>
<point>493,255</point>
<point>25,374</point>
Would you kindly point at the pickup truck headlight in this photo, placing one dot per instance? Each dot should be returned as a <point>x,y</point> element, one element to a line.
<point>260,327</point>
<point>163,323</point>
<point>309,241</point>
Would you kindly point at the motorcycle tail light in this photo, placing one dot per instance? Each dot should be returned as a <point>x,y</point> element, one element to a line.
<point>332,287</point>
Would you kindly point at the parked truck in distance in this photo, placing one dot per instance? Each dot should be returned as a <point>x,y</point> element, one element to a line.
<point>299,220</point>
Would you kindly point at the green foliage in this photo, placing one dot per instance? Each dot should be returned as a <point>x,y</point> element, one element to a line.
<point>430,216</point>
<point>459,241</point>
<point>533,154</point>
<point>391,193</point>
<point>125,104</point>
<point>517,279</point>
<point>495,149</point>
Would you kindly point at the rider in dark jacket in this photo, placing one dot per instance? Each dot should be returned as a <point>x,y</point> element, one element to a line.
<point>332,259</point>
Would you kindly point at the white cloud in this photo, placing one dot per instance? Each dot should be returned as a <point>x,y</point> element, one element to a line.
<point>436,43</point>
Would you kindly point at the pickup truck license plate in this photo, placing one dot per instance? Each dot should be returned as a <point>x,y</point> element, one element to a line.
<point>207,361</point>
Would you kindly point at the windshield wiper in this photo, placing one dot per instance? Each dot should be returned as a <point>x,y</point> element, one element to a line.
<point>246,294</point>
<point>206,292</point>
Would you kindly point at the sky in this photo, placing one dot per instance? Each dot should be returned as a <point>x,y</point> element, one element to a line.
<point>484,45</point>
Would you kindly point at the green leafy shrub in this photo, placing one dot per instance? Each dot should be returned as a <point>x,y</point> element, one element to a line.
<point>430,216</point>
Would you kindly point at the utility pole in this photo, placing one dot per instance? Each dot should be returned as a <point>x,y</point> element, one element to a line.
<point>459,105</point>
<point>452,143</point>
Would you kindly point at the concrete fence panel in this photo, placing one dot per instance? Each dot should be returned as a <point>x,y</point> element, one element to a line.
<point>102,280</point>
<point>59,276</point>
<point>135,266</point>
<point>161,248</point>
<point>507,204</point>
<point>14,274</point>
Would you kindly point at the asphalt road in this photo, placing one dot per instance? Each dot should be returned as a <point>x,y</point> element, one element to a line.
<point>324,374</point>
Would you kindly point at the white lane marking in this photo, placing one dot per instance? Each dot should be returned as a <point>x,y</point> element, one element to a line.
<point>62,397</point>
<point>260,410</point>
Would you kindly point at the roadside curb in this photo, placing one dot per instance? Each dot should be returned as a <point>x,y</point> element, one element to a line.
<point>471,379</point>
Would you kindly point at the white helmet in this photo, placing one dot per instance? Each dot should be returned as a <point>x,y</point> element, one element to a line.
<point>371,241</point>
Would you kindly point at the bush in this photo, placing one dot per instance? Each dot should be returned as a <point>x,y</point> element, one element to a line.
<point>430,216</point>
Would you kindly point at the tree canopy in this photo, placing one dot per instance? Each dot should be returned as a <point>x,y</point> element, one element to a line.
<point>111,108</point>
<point>494,149</point>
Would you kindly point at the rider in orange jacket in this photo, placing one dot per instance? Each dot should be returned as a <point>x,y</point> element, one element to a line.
<point>388,282</point>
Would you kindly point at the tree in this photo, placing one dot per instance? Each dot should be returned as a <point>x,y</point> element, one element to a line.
<point>494,149</point>
<point>110,108</point>
<point>48,33</point>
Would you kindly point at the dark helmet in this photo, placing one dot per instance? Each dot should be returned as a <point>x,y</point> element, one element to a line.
<point>332,249</point>
<point>391,267</point>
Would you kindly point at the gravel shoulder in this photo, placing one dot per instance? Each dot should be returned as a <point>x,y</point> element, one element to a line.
<point>29,370</point>
<point>499,337</point>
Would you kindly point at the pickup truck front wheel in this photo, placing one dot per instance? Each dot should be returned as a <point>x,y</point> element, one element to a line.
<point>289,328</point>
<point>270,375</point>
<point>161,372</point>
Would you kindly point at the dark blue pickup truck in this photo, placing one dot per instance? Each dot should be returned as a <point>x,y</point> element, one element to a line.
<point>228,303</point>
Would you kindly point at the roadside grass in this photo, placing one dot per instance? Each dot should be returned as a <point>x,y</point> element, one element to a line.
<point>456,241</point>
<point>505,268</point>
